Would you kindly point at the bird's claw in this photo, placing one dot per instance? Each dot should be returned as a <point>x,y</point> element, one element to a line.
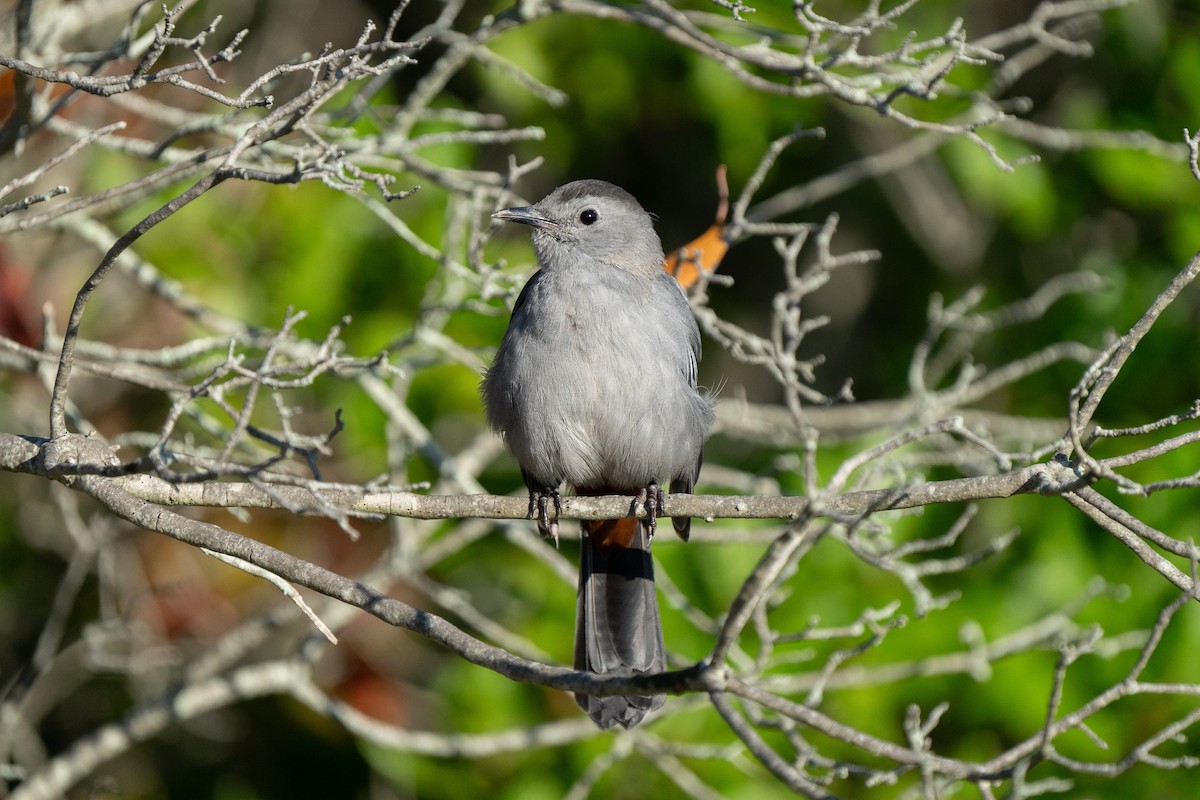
<point>539,500</point>
<point>653,498</point>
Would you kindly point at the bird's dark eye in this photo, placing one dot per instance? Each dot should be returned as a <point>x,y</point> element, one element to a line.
<point>589,216</point>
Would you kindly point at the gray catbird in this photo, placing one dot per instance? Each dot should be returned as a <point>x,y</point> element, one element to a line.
<point>594,384</point>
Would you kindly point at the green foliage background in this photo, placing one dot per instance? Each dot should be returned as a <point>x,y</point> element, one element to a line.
<point>658,120</point>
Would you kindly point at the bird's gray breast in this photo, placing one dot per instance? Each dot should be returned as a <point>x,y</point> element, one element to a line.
<point>591,383</point>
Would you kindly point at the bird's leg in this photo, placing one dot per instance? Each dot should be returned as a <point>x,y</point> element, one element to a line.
<point>653,498</point>
<point>539,499</point>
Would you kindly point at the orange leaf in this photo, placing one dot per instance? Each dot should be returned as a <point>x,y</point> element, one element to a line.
<point>706,250</point>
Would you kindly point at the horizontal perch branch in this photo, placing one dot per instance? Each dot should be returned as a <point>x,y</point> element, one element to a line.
<point>24,455</point>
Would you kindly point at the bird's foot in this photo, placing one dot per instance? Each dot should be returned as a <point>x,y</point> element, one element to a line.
<point>539,502</point>
<point>653,499</point>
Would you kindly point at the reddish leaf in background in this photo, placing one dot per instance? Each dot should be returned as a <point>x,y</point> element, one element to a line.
<point>15,303</point>
<point>8,95</point>
<point>363,687</point>
<point>706,250</point>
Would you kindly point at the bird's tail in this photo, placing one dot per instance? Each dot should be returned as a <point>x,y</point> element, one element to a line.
<point>617,627</point>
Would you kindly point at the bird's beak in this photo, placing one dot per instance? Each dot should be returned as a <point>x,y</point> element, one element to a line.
<point>526,215</point>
